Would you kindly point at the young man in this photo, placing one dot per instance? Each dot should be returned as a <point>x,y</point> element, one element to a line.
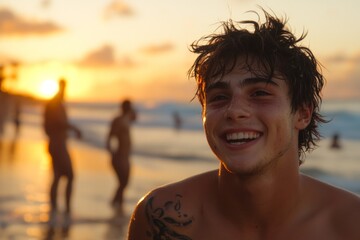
<point>260,93</point>
<point>56,126</point>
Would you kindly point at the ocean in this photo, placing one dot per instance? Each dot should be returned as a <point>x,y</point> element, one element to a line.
<point>94,118</point>
<point>155,134</point>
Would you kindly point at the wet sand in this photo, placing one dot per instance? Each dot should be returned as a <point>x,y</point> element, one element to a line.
<point>25,177</point>
<point>24,204</point>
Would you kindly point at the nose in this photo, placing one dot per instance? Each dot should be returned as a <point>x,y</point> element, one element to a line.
<point>237,109</point>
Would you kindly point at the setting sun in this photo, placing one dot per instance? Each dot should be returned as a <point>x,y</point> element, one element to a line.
<point>48,88</point>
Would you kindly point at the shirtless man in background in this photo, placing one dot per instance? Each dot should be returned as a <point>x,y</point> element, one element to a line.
<point>56,127</point>
<point>120,154</point>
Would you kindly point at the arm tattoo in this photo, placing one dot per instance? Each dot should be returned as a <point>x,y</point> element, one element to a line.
<point>162,221</point>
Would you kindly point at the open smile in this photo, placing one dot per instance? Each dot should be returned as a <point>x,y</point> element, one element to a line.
<point>239,138</point>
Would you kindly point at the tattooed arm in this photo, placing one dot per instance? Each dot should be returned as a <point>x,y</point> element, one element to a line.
<point>159,217</point>
<point>175,211</point>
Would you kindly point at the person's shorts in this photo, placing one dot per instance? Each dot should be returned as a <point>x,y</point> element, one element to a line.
<point>60,157</point>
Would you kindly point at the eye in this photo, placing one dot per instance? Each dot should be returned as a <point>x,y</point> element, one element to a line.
<point>218,97</point>
<point>260,93</point>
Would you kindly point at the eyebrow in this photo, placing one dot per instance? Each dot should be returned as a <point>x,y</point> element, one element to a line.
<point>245,82</point>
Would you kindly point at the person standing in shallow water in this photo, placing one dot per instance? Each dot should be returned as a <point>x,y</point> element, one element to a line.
<point>335,143</point>
<point>120,153</point>
<point>56,126</point>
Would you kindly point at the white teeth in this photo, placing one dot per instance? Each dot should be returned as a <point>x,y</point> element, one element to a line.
<point>242,136</point>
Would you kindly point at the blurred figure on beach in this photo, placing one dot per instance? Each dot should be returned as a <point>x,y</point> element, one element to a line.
<point>260,92</point>
<point>335,142</point>
<point>16,122</point>
<point>7,98</point>
<point>56,126</point>
<point>177,121</point>
<point>120,149</point>
<point>4,104</point>
<point>16,119</point>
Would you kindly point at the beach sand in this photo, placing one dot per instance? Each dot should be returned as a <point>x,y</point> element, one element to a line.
<point>25,178</point>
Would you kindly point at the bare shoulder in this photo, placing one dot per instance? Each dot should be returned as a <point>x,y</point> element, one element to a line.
<point>331,195</point>
<point>169,212</point>
<point>345,213</point>
<point>339,208</point>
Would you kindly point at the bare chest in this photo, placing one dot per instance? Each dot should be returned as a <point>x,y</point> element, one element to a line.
<point>313,229</point>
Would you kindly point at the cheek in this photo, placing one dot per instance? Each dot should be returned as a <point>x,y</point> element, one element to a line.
<point>285,130</point>
<point>209,131</point>
<point>281,123</point>
<point>206,119</point>
<point>211,142</point>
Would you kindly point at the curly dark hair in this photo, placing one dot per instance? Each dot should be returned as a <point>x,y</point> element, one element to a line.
<point>277,51</point>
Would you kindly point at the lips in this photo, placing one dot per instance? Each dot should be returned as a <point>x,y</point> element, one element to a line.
<point>242,137</point>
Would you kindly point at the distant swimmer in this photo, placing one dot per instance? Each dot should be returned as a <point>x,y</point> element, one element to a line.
<point>335,144</point>
<point>177,121</point>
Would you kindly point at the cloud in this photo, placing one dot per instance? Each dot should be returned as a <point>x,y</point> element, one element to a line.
<point>353,83</point>
<point>343,59</point>
<point>101,56</point>
<point>45,3</point>
<point>156,49</point>
<point>14,25</point>
<point>343,76</point>
<point>118,8</point>
<point>105,57</point>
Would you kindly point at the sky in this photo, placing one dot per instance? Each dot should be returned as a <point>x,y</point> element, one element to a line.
<point>113,49</point>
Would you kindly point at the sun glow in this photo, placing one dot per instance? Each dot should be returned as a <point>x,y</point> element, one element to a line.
<point>48,88</point>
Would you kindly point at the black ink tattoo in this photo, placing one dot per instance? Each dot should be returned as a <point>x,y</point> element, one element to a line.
<point>162,221</point>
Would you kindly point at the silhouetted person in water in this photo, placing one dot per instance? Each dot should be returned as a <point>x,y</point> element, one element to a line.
<point>335,142</point>
<point>4,104</point>
<point>177,121</point>
<point>17,117</point>
<point>56,126</point>
<point>120,130</point>
<point>16,121</point>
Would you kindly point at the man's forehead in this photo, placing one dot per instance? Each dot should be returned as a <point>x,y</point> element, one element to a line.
<point>243,74</point>
<point>243,65</point>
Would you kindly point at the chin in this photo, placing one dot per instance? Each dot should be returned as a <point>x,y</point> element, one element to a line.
<point>244,169</point>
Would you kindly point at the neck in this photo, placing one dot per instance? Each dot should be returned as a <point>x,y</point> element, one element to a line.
<point>260,200</point>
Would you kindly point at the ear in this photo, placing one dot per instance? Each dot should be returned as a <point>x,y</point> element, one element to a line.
<point>303,117</point>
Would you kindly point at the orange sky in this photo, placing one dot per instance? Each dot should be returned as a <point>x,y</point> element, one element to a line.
<point>111,49</point>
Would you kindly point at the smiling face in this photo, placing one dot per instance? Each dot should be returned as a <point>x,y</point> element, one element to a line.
<point>249,123</point>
